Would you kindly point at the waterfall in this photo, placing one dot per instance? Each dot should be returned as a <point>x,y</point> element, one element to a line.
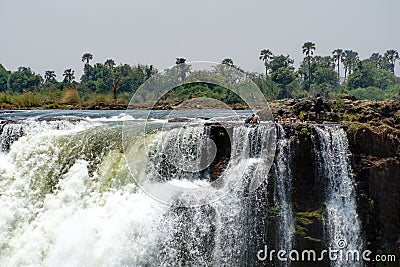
<point>283,185</point>
<point>238,214</point>
<point>343,225</point>
<point>68,199</point>
<point>70,193</point>
<point>11,131</point>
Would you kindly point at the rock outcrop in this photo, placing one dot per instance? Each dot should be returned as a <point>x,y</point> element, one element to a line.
<point>365,111</point>
<point>376,163</point>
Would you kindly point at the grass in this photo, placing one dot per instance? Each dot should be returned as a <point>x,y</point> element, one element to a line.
<point>24,100</point>
<point>30,99</point>
<point>70,96</point>
<point>338,103</point>
<point>354,127</point>
<point>57,99</point>
<point>349,117</point>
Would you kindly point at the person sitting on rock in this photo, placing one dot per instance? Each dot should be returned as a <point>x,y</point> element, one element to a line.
<point>253,119</point>
<point>256,119</point>
<point>249,119</point>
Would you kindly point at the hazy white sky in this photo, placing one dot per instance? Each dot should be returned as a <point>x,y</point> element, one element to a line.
<point>53,34</point>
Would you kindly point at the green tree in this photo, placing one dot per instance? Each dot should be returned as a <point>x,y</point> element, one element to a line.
<point>326,61</point>
<point>368,75</point>
<point>308,50</point>
<point>4,74</point>
<point>180,60</point>
<point>362,77</point>
<point>350,60</point>
<point>149,71</point>
<point>391,56</point>
<point>103,78</point>
<point>266,56</point>
<point>69,75</point>
<point>23,79</point>
<point>281,61</point>
<point>269,88</point>
<point>282,73</point>
<point>228,62</point>
<point>49,76</point>
<point>376,59</point>
<point>86,58</point>
<point>283,76</point>
<point>325,76</point>
<point>114,78</point>
<point>110,63</point>
<point>337,57</point>
<point>182,68</point>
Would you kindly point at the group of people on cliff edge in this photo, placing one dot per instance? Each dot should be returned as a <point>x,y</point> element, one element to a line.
<point>318,107</point>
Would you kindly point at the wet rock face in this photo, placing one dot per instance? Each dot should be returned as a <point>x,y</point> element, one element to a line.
<point>376,163</point>
<point>375,158</point>
<point>222,138</point>
<point>307,189</point>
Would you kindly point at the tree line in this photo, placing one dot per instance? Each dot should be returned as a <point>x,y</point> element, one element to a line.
<point>370,78</point>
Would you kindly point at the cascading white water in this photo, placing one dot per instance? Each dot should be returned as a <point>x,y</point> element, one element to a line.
<point>343,223</point>
<point>61,206</point>
<point>11,131</point>
<point>250,148</point>
<point>67,199</point>
<point>283,184</point>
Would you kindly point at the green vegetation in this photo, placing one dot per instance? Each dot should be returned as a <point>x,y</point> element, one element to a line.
<point>305,131</point>
<point>305,219</point>
<point>274,211</point>
<point>353,128</point>
<point>109,83</point>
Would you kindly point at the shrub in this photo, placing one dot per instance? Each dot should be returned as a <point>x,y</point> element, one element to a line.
<point>371,93</point>
<point>28,100</point>
<point>70,96</point>
<point>5,98</point>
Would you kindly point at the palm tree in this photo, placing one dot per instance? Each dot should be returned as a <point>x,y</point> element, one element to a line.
<point>350,60</point>
<point>86,58</point>
<point>337,57</point>
<point>266,55</point>
<point>68,75</point>
<point>228,62</point>
<point>180,60</point>
<point>391,56</point>
<point>376,59</point>
<point>182,67</point>
<point>49,76</point>
<point>308,50</point>
<point>109,63</point>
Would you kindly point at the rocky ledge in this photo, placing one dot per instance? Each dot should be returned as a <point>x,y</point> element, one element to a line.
<point>374,113</point>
